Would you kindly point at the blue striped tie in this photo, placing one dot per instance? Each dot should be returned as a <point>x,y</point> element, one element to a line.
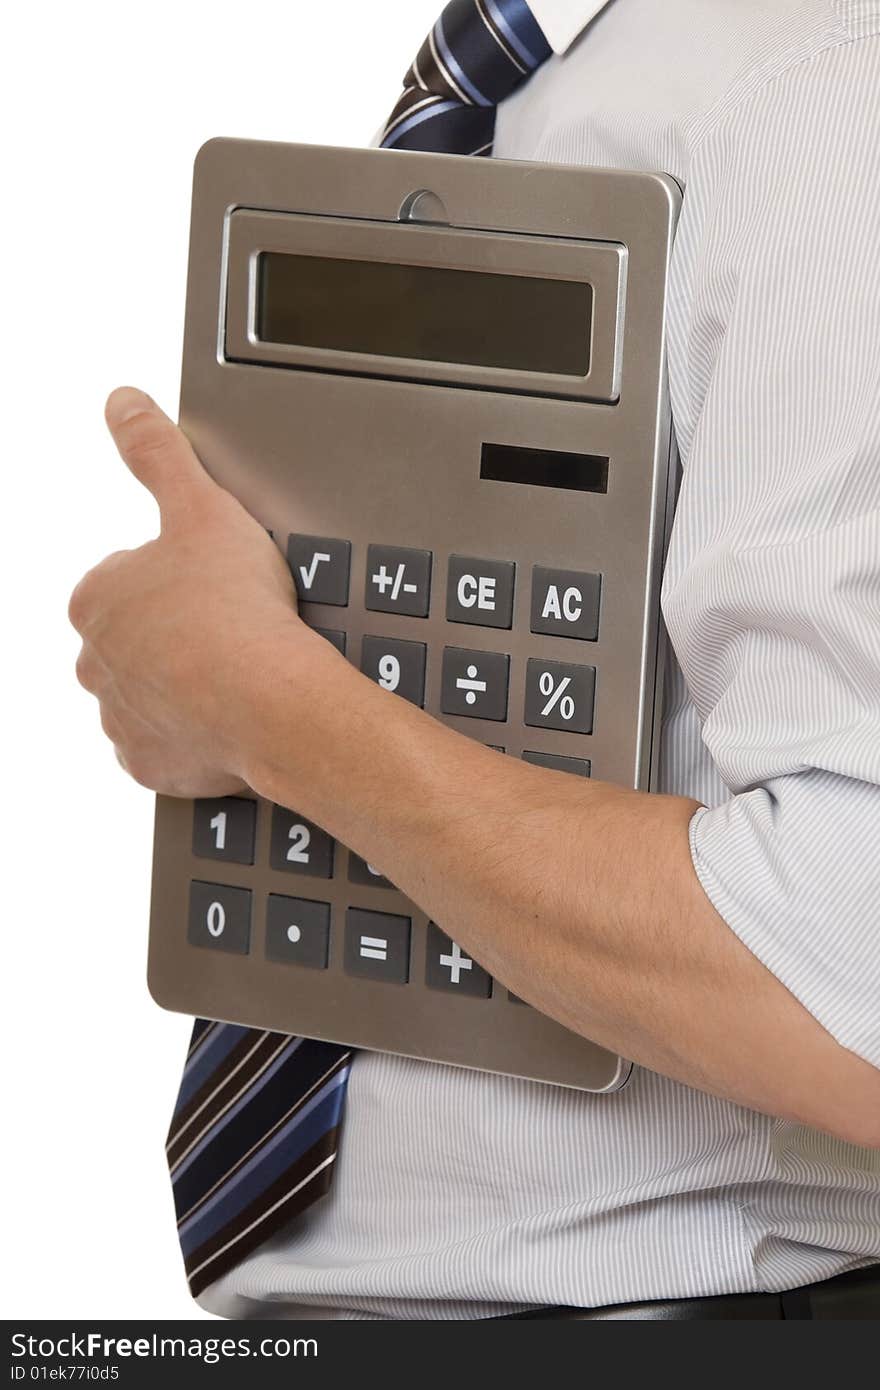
<point>478,52</point>
<point>254,1135</point>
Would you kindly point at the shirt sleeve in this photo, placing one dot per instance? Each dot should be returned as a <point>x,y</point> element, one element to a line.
<point>772,587</point>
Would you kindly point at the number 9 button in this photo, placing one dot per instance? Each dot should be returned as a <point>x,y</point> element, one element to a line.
<point>396,665</point>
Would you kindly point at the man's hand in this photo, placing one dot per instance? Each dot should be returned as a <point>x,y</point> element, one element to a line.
<point>176,633</point>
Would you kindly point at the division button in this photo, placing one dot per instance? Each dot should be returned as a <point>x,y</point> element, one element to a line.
<point>396,665</point>
<point>475,683</point>
<point>320,568</point>
<point>480,592</point>
<point>447,967</point>
<point>297,846</point>
<point>219,917</point>
<point>560,695</point>
<point>298,931</point>
<point>377,945</point>
<point>224,828</point>
<point>398,581</point>
<point>579,767</point>
<point>565,603</point>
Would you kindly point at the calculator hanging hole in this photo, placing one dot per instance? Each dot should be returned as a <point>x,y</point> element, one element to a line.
<point>423,206</point>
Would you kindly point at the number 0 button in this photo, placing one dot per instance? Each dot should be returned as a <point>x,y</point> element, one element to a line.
<point>220,917</point>
<point>224,829</point>
<point>299,847</point>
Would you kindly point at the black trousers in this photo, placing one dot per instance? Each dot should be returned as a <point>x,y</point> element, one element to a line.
<point>853,1296</point>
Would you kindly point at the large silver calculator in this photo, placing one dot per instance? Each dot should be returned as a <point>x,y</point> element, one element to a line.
<point>440,384</point>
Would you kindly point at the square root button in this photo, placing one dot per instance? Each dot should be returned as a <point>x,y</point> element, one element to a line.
<point>377,945</point>
<point>560,695</point>
<point>320,567</point>
<point>475,683</point>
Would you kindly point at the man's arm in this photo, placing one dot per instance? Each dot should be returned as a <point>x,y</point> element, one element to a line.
<point>581,897</point>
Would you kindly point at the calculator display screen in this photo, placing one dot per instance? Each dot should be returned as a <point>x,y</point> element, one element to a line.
<point>432,313</point>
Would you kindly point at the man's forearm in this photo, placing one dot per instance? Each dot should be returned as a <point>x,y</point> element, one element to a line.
<point>580,896</point>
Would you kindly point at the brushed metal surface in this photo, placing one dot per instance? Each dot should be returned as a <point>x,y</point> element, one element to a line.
<point>310,447</point>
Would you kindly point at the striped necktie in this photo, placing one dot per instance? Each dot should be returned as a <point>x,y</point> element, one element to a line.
<point>255,1130</point>
<point>477,53</point>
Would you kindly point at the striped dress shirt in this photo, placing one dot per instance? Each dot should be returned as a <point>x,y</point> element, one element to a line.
<point>464,1195</point>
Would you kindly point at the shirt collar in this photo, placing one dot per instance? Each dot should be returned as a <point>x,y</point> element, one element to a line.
<point>563,20</point>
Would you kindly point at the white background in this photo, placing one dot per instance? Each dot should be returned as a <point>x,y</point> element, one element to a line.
<point>104,107</point>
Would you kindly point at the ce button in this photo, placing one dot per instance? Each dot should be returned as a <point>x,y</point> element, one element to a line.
<point>480,592</point>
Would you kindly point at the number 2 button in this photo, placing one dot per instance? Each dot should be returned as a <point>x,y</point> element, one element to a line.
<point>298,846</point>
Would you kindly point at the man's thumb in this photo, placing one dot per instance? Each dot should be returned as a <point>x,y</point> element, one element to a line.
<point>157,452</point>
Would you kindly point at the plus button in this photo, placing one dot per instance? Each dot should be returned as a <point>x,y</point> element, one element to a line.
<point>455,962</point>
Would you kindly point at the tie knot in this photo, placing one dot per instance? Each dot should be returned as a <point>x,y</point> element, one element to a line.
<point>477,53</point>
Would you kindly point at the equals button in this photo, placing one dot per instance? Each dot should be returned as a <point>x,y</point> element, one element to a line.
<point>377,945</point>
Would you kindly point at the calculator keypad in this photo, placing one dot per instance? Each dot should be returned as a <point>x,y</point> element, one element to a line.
<point>474,684</point>
<point>297,846</point>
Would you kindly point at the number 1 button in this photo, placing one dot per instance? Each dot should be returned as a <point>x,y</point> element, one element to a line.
<point>299,847</point>
<point>224,828</point>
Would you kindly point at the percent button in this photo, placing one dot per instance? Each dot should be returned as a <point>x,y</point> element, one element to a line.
<point>560,695</point>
